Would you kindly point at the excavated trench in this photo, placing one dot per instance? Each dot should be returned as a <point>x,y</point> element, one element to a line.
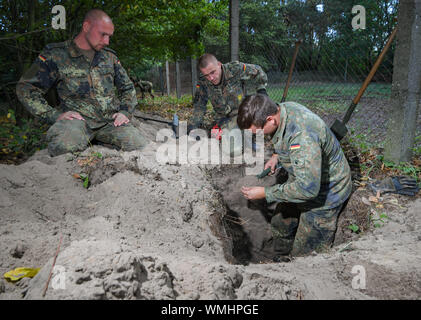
<point>242,226</point>
<point>245,225</point>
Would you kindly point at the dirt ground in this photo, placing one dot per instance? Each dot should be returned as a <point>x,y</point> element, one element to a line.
<point>144,230</point>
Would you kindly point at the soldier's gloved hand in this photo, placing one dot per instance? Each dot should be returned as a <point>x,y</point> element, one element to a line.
<point>400,184</point>
<point>262,91</point>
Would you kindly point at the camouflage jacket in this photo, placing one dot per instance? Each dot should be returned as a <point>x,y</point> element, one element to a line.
<point>319,174</point>
<point>238,80</point>
<point>83,86</point>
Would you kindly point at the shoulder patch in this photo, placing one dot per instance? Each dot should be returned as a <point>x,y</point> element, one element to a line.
<point>42,58</point>
<point>295,146</point>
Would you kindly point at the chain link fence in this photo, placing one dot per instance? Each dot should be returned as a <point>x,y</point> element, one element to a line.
<point>328,70</point>
<point>321,75</point>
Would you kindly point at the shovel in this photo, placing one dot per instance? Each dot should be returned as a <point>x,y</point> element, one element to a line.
<point>174,123</point>
<point>339,127</point>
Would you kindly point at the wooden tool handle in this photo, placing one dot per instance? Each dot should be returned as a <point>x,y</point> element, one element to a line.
<point>374,68</point>
<point>291,69</point>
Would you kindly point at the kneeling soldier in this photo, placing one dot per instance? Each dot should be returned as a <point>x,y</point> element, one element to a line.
<point>319,177</point>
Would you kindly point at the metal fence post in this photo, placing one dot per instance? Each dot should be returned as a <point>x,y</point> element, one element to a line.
<point>177,79</point>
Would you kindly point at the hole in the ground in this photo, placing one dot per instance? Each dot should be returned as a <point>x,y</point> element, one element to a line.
<point>244,227</point>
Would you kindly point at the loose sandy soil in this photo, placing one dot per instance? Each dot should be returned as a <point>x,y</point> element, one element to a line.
<point>148,231</point>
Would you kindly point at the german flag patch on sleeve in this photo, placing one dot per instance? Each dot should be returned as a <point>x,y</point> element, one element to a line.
<point>42,58</point>
<point>295,146</point>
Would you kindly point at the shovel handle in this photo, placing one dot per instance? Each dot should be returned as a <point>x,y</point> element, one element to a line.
<point>291,69</point>
<point>375,67</point>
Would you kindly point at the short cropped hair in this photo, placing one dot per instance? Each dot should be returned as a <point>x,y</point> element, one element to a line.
<point>254,110</point>
<point>95,15</point>
<point>206,59</point>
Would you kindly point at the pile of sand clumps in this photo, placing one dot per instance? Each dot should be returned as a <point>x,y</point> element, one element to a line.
<point>144,230</point>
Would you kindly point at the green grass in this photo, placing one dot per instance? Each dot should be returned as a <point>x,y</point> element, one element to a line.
<point>417,146</point>
<point>172,99</point>
<point>334,91</point>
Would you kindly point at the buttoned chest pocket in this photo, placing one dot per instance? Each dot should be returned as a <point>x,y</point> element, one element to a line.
<point>104,80</point>
<point>76,82</point>
<point>218,100</point>
<point>233,94</point>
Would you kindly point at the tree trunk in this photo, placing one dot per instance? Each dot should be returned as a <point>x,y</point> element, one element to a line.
<point>31,26</point>
<point>234,10</point>
<point>406,89</point>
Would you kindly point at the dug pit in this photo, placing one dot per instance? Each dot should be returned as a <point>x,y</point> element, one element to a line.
<point>247,223</point>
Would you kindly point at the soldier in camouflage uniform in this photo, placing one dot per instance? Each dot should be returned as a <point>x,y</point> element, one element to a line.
<point>145,87</point>
<point>225,85</point>
<point>319,177</point>
<point>86,74</point>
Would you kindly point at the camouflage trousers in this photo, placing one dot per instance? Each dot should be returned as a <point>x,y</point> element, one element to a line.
<point>299,233</point>
<point>75,135</point>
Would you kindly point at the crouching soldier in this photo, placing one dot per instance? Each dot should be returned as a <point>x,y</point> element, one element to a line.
<point>319,177</point>
<point>145,87</point>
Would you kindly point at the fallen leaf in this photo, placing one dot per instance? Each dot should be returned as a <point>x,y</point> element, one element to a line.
<point>393,201</point>
<point>373,199</point>
<point>379,206</point>
<point>76,176</point>
<point>365,201</point>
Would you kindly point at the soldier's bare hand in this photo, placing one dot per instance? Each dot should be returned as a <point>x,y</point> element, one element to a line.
<point>70,115</point>
<point>120,119</point>
<point>253,193</point>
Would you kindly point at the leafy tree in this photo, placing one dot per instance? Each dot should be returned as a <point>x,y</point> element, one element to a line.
<point>146,31</point>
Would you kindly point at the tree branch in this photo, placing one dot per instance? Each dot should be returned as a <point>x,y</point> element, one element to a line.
<point>24,34</point>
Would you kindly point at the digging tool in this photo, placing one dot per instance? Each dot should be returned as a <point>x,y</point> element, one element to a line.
<point>265,172</point>
<point>174,123</point>
<point>339,127</point>
<point>291,69</point>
